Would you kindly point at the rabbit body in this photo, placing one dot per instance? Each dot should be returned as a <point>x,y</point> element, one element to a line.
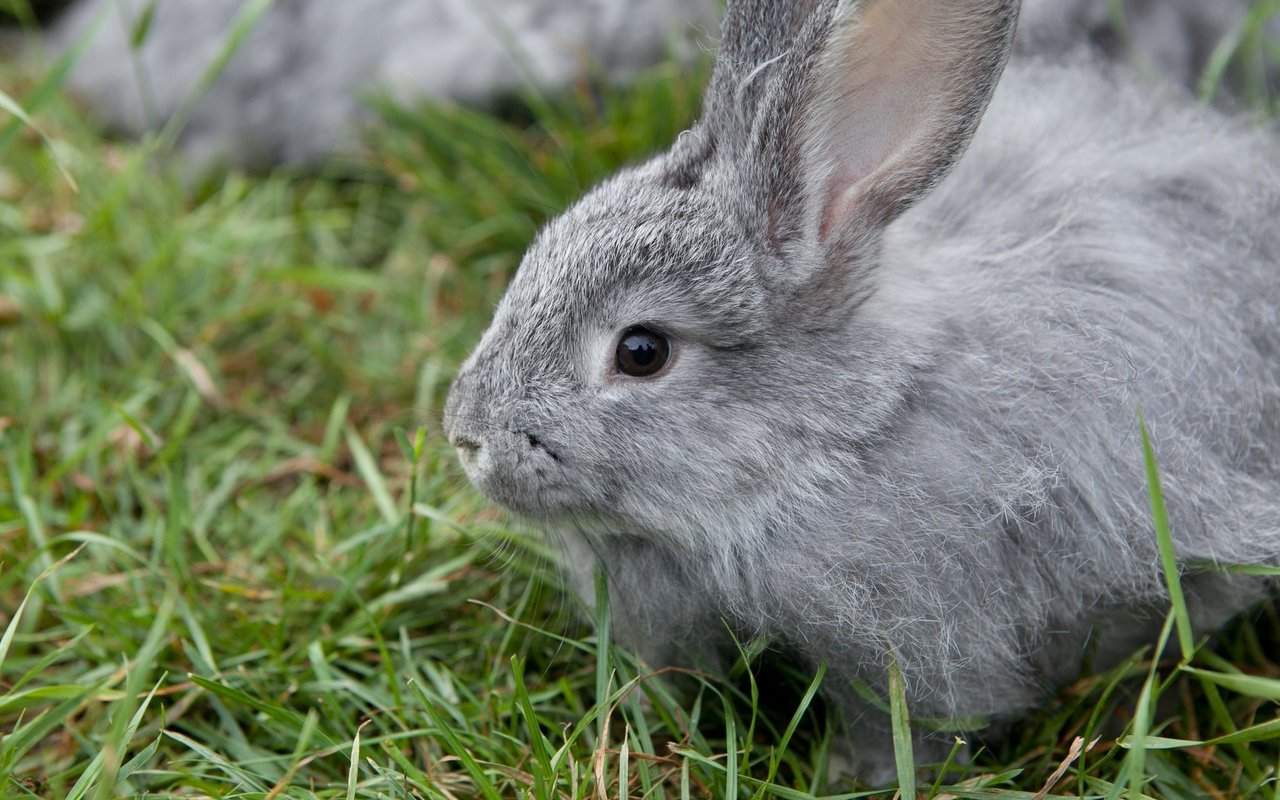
<point>294,90</point>
<point>902,428</point>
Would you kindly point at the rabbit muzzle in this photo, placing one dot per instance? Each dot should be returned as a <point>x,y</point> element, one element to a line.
<point>513,464</point>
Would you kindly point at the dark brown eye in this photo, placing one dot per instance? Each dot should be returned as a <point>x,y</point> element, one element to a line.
<point>642,353</point>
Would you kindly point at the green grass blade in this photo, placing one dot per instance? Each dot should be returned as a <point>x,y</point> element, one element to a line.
<point>604,635</point>
<point>1168,556</point>
<point>353,774</point>
<point>237,773</point>
<point>10,105</point>
<point>6,639</point>
<point>445,730</point>
<point>1135,776</point>
<point>543,772</point>
<point>731,782</point>
<point>903,750</point>
<point>373,478</point>
<point>802,709</point>
<point>1249,685</point>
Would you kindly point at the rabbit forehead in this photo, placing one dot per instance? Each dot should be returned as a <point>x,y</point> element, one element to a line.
<point>632,251</point>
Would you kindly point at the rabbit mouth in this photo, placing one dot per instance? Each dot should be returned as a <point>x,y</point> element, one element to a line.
<point>520,471</point>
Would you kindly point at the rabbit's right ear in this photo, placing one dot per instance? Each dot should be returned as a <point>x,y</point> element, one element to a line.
<point>840,114</point>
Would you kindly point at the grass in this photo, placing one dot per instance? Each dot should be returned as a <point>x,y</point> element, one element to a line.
<point>237,559</point>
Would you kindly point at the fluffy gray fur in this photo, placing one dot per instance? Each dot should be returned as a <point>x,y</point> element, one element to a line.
<point>904,423</point>
<point>294,91</point>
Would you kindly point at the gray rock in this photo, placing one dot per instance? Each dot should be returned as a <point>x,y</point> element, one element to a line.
<point>295,91</point>
<point>296,88</point>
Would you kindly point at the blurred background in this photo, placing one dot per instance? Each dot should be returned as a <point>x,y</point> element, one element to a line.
<point>243,246</point>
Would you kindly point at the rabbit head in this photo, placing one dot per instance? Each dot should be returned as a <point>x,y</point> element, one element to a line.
<point>679,350</point>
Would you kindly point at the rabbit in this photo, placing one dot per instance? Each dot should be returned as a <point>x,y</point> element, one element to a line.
<point>851,373</point>
<point>293,92</point>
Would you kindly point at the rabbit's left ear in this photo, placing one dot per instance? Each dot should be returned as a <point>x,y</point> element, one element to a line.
<point>873,110</point>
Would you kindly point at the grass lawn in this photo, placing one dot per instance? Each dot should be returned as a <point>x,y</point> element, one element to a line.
<point>237,558</point>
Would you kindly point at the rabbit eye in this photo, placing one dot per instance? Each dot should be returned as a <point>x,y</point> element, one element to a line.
<point>642,353</point>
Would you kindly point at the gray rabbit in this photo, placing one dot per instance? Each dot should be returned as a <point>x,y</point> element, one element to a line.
<point>844,370</point>
<point>293,92</point>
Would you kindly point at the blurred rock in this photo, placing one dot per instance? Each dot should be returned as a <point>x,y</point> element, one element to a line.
<point>294,91</point>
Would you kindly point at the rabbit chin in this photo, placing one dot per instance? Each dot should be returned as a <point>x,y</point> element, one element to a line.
<point>543,505</point>
<point>559,501</point>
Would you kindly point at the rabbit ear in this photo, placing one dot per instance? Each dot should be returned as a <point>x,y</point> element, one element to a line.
<point>871,104</point>
<point>756,35</point>
<point>897,96</point>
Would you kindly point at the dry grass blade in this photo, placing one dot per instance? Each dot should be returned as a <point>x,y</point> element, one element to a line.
<point>1078,748</point>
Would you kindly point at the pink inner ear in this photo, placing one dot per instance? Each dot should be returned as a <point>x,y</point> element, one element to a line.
<point>881,105</point>
<point>843,196</point>
<point>853,178</point>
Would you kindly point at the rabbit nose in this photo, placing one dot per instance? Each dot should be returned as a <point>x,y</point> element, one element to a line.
<point>462,441</point>
<point>464,418</point>
<point>468,448</point>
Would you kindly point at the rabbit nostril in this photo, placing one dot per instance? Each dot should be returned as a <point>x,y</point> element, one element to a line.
<point>466,443</point>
